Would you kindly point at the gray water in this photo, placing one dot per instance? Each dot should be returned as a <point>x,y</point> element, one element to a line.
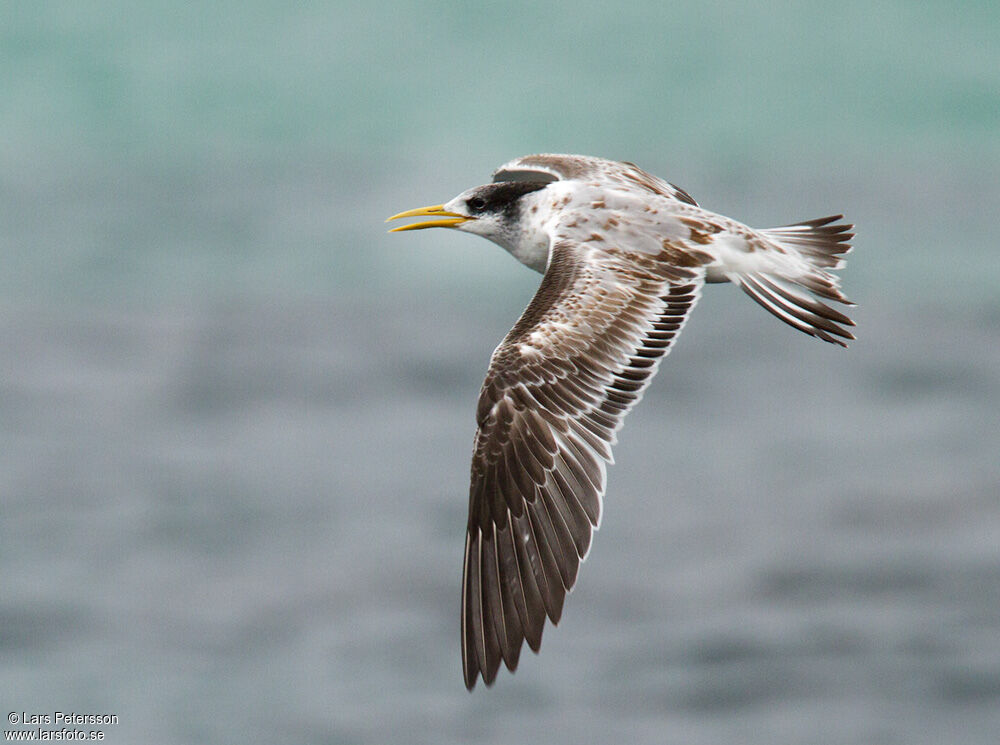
<point>236,417</point>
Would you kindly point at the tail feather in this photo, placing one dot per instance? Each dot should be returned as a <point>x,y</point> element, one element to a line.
<point>800,311</point>
<point>817,239</point>
<point>793,295</point>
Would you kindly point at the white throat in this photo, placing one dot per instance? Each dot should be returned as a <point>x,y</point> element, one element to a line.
<point>527,239</point>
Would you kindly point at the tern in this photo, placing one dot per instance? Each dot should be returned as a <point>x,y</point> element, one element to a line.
<point>624,256</point>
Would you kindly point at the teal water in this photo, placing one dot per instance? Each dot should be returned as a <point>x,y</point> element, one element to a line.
<point>235,415</point>
<point>162,152</point>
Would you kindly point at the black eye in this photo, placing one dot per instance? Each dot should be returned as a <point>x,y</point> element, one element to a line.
<point>477,204</point>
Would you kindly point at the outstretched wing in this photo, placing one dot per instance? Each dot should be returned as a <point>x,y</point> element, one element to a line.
<point>557,390</point>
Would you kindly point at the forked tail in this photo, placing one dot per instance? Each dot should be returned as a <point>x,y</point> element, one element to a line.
<point>791,290</point>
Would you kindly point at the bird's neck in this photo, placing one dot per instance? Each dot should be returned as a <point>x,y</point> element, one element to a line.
<point>528,239</point>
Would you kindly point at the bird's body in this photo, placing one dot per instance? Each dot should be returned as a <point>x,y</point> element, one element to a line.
<point>624,256</point>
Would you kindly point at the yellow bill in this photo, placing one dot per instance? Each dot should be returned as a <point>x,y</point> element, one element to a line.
<point>451,218</point>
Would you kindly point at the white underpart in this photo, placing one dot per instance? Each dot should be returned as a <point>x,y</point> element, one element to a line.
<point>733,255</point>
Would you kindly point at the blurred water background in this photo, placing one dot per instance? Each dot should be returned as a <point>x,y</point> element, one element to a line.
<point>236,416</point>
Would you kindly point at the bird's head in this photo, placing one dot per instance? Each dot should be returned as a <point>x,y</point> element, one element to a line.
<point>497,211</point>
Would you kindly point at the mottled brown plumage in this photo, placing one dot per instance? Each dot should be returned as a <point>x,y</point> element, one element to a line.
<point>558,388</point>
<point>625,256</point>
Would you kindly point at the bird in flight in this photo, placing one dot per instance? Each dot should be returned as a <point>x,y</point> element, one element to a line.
<point>624,256</point>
